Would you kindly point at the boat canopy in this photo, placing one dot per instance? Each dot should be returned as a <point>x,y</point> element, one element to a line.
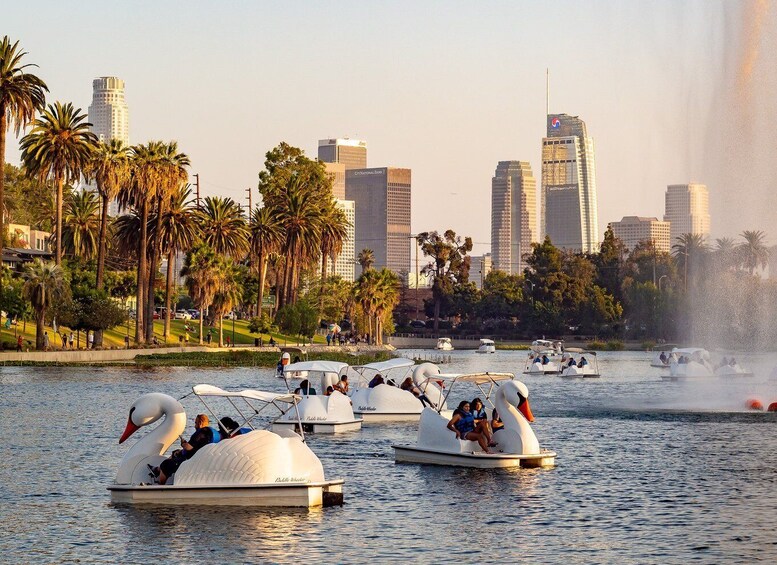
<point>477,378</point>
<point>210,390</point>
<point>316,366</point>
<point>579,350</point>
<point>689,350</point>
<point>382,366</point>
<point>486,342</point>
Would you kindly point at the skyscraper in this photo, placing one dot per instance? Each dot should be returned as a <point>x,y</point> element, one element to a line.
<point>382,199</point>
<point>350,152</point>
<point>631,230</point>
<point>108,112</point>
<point>337,170</point>
<point>109,116</point>
<point>344,264</point>
<point>513,215</point>
<point>569,214</point>
<point>687,210</point>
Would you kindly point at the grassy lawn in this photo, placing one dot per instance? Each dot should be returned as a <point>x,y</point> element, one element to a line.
<point>115,337</point>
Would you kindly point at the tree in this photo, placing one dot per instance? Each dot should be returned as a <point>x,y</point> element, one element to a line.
<point>449,264</point>
<point>180,231</point>
<point>266,238</point>
<point>753,252</point>
<point>21,95</point>
<point>334,232</point>
<point>502,296</point>
<point>690,250</point>
<point>726,253</point>
<point>58,146</point>
<point>366,259</point>
<point>377,292</point>
<point>228,294</point>
<point>81,226</point>
<point>44,284</point>
<point>224,227</point>
<point>609,264</point>
<point>202,271</point>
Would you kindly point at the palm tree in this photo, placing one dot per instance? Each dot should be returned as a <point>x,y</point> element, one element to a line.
<point>753,251</point>
<point>725,252</point>
<point>386,298</point>
<point>180,231</point>
<point>229,293</point>
<point>367,289</point>
<point>690,249</point>
<point>109,167</point>
<point>266,238</point>
<point>334,231</point>
<point>172,176</point>
<point>366,259</point>
<point>203,278</point>
<point>224,227</point>
<point>21,95</point>
<point>81,229</point>
<point>59,146</point>
<point>44,283</point>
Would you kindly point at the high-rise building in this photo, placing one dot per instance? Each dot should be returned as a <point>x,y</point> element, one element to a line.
<point>513,215</point>
<point>633,229</point>
<point>350,152</point>
<point>569,214</point>
<point>344,264</point>
<point>108,112</point>
<point>382,200</point>
<point>109,116</point>
<point>337,170</point>
<point>687,210</point>
<point>479,268</point>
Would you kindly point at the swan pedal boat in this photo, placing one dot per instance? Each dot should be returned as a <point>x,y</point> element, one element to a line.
<point>387,403</point>
<point>444,344</point>
<point>534,366</point>
<point>318,413</point>
<point>487,346</point>
<point>516,443</point>
<point>699,368</point>
<point>589,371</point>
<point>255,468</point>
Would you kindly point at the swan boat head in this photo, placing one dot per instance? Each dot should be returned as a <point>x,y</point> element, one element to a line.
<point>512,403</point>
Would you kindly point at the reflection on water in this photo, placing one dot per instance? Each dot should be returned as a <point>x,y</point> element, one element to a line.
<point>648,471</point>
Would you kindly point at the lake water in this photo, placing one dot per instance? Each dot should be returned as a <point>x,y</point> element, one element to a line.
<point>647,471</point>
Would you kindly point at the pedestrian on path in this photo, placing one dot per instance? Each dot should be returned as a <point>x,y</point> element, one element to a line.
<point>90,340</point>
<point>45,341</point>
<point>72,340</point>
<point>19,343</point>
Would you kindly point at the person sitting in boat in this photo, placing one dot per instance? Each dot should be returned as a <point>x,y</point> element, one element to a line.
<point>230,428</point>
<point>376,380</point>
<point>481,416</point>
<point>732,362</point>
<point>572,362</point>
<point>663,358</point>
<point>202,436</point>
<point>545,360</point>
<point>583,362</point>
<point>683,360</point>
<point>463,425</point>
<point>329,390</point>
<point>305,389</point>
<point>496,421</point>
<point>408,384</point>
<point>342,385</point>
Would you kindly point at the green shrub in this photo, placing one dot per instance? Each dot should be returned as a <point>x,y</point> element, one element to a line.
<point>596,345</point>
<point>615,345</point>
<point>648,345</point>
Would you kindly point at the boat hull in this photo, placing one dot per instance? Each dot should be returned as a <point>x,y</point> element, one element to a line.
<point>289,495</point>
<point>320,427</point>
<point>411,454</point>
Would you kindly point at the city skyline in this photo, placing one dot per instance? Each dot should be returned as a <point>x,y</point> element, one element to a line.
<point>406,100</point>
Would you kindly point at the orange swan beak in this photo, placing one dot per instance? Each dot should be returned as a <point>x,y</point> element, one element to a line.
<point>129,430</point>
<point>526,411</point>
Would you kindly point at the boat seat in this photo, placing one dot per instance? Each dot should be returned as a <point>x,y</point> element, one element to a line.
<point>468,446</point>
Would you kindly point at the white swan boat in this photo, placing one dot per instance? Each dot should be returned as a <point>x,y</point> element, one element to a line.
<point>487,346</point>
<point>580,370</point>
<point>386,402</point>
<point>318,413</point>
<point>256,468</point>
<point>516,444</point>
<point>535,365</point>
<point>444,344</point>
<point>547,347</point>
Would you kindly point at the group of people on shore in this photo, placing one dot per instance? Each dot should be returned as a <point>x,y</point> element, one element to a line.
<point>202,436</point>
<point>470,422</point>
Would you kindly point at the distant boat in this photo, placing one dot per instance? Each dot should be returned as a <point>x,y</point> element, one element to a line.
<point>487,346</point>
<point>444,344</point>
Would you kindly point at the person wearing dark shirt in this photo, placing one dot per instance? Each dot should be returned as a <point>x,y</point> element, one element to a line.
<point>202,436</point>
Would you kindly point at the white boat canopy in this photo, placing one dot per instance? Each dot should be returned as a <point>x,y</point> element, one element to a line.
<point>379,366</point>
<point>579,350</point>
<point>477,378</point>
<point>486,342</point>
<point>316,366</point>
<point>262,396</point>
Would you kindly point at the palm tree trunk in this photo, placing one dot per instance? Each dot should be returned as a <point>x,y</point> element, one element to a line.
<point>323,278</point>
<point>3,128</point>
<point>60,181</point>
<point>202,317</point>
<point>39,331</point>
<point>101,251</point>
<point>142,269</point>
<point>168,291</point>
<point>155,253</point>
<point>262,275</point>
<point>221,331</point>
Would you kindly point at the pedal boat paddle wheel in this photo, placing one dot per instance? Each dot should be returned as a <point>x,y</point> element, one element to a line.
<point>254,468</point>
<point>516,444</point>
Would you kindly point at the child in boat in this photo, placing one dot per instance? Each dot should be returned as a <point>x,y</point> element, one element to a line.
<point>342,386</point>
<point>409,385</point>
<point>463,425</point>
<point>496,421</point>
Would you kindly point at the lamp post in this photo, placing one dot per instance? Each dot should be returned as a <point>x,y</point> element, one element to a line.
<point>662,277</point>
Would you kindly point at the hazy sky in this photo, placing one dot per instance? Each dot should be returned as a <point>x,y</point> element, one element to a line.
<point>445,88</point>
